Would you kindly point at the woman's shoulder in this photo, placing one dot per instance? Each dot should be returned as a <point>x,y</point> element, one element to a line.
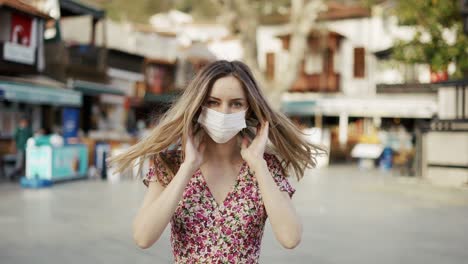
<point>270,158</point>
<point>274,162</point>
<point>163,166</point>
<point>173,157</point>
<point>279,173</point>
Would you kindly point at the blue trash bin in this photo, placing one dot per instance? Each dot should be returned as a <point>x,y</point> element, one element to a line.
<point>386,159</point>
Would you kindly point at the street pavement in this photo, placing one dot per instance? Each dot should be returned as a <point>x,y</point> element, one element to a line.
<point>348,215</point>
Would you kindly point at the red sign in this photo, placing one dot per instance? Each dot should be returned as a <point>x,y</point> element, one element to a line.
<point>21,27</point>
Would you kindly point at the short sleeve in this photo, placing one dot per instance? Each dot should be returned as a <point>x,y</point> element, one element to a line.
<point>159,167</point>
<point>278,174</point>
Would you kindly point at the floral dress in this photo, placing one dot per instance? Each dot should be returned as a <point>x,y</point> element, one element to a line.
<point>203,231</point>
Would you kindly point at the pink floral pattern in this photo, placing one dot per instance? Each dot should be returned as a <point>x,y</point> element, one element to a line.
<point>203,231</point>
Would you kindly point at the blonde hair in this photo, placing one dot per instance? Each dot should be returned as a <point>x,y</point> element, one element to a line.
<point>287,141</point>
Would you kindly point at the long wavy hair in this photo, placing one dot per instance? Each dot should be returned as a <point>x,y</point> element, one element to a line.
<point>285,139</point>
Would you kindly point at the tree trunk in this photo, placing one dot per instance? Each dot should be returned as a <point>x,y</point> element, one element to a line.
<point>303,19</point>
<point>241,17</point>
<point>244,18</point>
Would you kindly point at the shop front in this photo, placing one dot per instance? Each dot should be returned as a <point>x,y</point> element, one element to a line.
<point>42,102</point>
<point>366,129</point>
<point>103,122</point>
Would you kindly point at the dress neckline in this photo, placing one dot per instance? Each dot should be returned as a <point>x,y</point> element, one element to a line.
<point>231,191</point>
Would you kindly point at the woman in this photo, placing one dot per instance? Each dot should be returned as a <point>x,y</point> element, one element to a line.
<point>219,186</point>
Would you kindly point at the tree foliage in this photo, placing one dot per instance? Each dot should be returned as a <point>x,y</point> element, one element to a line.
<point>439,38</point>
<point>140,11</point>
<point>243,17</point>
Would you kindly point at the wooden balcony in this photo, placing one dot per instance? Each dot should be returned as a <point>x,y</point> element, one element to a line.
<point>84,62</point>
<point>321,82</point>
<point>87,62</point>
<point>409,88</point>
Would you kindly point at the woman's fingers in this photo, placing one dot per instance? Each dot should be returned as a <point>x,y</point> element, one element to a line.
<point>262,126</point>
<point>192,137</point>
<point>201,148</point>
<point>201,139</point>
<point>266,127</point>
<point>189,139</point>
<point>262,129</point>
<point>245,142</point>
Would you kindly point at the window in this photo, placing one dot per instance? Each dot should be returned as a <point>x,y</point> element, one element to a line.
<point>270,65</point>
<point>359,63</point>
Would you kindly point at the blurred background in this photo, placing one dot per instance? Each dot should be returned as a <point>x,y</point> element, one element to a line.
<point>382,84</point>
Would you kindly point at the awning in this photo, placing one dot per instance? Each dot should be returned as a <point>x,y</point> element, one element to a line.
<point>299,108</point>
<point>403,106</point>
<point>160,98</point>
<point>92,88</point>
<point>25,8</point>
<point>38,94</point>
<point>76,8</point>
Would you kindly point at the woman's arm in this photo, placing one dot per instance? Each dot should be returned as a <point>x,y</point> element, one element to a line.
<point>160,203</point>
<point>280,210</point>
<point>286,224</point>
<point>158,207</point>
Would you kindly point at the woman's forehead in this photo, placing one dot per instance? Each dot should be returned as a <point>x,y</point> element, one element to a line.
<point>227,87</point>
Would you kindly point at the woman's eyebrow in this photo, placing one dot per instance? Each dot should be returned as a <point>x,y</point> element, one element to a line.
<point>234,99</point>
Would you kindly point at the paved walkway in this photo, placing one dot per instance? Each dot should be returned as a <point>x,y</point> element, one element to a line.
<point>349,216</point>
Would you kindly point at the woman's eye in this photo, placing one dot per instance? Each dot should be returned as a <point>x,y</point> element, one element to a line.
<point>237,104</point>
<point>212,102</point>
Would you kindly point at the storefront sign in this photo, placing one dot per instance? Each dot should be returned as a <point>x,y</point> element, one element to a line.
<point>34,94</point>
<point>18,53</point>
<point>46,162</point>
<point>112,99</point>
<point>39,162</point>
<point>70,161</point>
<point>159,78</point>
<point>21,29</point>
<point>22,43</point>
<point>71,120</point>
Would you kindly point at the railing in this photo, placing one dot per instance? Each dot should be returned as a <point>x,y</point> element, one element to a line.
<point>85,62</point>
<point>87,56</point>
<point>419,88</point>
<point>321,82</point>
<point>453,100</point>
<point>56,58</point>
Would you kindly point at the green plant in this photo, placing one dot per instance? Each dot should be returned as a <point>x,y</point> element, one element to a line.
<point>435,21</point>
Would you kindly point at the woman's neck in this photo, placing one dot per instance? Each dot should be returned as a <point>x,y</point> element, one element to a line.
<point>227,153</point>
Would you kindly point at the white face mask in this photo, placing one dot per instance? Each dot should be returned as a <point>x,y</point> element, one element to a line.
<point>219,126</point>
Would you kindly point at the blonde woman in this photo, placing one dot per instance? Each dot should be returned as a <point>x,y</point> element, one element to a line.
<point>225,178</point>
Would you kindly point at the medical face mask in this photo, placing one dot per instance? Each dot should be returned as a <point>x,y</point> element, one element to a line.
<point>219,126</point>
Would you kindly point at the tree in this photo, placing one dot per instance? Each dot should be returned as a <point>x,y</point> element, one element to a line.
<point>141,10</point>
<point>243,17</point>
<point>439,38</point>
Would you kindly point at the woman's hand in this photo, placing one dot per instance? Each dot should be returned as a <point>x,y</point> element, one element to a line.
<point>194,151</point>
<point>253,153</point>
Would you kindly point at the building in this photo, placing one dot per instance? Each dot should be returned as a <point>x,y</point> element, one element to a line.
<point>347,83</point>
<point>24,89</point>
